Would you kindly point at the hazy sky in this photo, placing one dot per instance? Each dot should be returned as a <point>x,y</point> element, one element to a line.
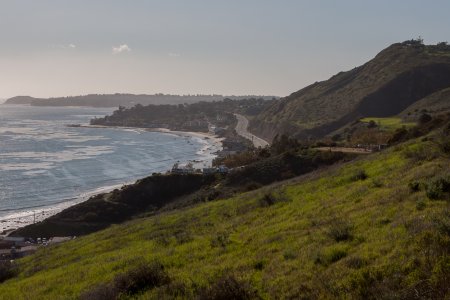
<point>71,47</point>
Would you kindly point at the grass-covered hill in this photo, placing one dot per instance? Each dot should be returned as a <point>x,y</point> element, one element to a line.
<point>158,192</point>
<point>100,211</point>
<point>396,78</point>
<point>374,228</point>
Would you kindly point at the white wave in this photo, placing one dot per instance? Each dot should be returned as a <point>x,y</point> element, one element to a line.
<point>49,160</point>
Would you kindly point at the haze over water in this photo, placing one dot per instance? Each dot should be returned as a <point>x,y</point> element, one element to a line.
<point>43,162</point>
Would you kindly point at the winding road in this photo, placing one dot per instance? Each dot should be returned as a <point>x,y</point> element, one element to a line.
<point>241,129</point>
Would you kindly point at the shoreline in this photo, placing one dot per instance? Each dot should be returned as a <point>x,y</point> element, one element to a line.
<point>16,220</point>
<point>21,218</point>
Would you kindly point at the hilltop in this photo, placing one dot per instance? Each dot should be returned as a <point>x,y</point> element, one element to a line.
<point>396,78</point>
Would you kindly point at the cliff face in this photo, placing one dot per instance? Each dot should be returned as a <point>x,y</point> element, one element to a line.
<point>396,78</point>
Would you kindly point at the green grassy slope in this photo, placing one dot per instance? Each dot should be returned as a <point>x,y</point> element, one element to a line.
<point>332,233</point>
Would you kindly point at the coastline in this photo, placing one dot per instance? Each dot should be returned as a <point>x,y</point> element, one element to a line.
<point>18,219</point>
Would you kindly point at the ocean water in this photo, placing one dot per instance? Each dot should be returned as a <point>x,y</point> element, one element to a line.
<point>44,163</point>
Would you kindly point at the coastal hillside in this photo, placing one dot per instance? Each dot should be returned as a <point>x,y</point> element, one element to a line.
<point>435,103</point>
<point>185,117</point>
<point>373,228</point>
<point>116,100</point>
<point>396,78</point>
<point>156,193</point>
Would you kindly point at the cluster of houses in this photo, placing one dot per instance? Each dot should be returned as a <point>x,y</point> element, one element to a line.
<point>189,169</point>
<point>231,146</point>
<point>17,247</point>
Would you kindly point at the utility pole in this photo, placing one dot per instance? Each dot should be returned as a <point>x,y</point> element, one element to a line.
<point>34,217</point>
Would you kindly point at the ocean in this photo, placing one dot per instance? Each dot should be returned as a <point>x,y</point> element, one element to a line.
<point>46,166</point>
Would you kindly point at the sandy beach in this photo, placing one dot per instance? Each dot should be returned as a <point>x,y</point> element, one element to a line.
<point>211,145</point>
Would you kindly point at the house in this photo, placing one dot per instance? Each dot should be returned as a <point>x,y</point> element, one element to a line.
<point>208,171</point>
<point>223,169</point>
<point>180,169</point>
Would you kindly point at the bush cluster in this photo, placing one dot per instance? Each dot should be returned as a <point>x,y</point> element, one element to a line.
<point>270,198</point>
<point>329,256</point>
<point>359,175</point>
<point>438,188</point>
<point>414,186</point>
<point>340,230</point>
<point>139,279</point>
<point>229,287</point>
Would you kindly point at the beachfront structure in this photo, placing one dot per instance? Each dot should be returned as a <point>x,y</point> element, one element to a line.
<point>208,171</point>
<point>222,169</point>
<point>182,169</point>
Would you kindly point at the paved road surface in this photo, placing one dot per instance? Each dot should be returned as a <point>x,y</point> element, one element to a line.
<point>241,129</point>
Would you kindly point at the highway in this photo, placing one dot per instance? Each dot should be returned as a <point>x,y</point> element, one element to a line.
<point>241,129</point>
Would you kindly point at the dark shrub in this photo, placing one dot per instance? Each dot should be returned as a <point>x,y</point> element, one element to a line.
<point>444,145</point>
<point>359,175</point>
<point>337,254</point>
<point>7,270</point>
<point>229,287</point>
<point>100,292</point>
<point>438,188</point>
<point>174,290</point>
<point>139,279</point>
<point>414,186</point>
<point>333,255</point>
<point>259,265</point>
<point>420,205</point>
<point>424,118</point>
<point>399,135</point>
<point>269,199</point>
<point>340,230</point>
<point>371,124</point>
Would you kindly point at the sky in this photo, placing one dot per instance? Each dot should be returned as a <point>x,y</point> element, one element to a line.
<point>51,48</point>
